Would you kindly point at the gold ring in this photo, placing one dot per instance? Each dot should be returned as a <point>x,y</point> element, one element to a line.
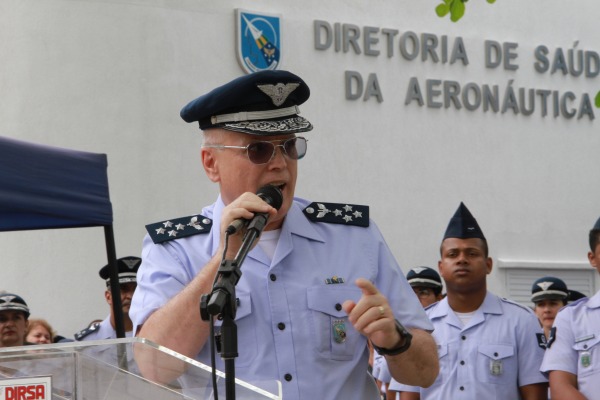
<point>381,311</point>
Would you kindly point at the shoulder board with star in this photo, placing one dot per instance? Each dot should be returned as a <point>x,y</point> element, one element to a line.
<point>178,228</point>
<point>85,332</point>
<point>338,213</point>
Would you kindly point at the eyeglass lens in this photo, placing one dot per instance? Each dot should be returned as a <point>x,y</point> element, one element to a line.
<point>263,152</point>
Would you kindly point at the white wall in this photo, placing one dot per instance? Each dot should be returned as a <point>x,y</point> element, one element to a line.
<point>111,76</point>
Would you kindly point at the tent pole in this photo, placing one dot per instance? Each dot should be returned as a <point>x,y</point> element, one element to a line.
<point>115,289</point>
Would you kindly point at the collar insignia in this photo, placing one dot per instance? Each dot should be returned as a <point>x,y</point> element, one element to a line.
<point>551,338</point>
<point>541,338</point>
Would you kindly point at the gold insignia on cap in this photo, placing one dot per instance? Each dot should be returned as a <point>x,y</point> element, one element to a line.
<point>278,93</point>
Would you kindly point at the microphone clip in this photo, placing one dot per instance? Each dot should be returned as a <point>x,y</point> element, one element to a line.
<point>219,301</point>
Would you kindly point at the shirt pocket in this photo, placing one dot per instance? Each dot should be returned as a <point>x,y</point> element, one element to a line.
<point>588,352</point>
<point>247,343</point>
<point>496,363</point>
<point>334,335</point>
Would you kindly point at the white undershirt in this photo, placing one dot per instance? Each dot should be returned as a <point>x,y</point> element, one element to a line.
<point>465,317</point>
<point>268,242</point>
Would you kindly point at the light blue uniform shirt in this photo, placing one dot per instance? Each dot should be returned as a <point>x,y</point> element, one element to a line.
<point>576,347</point>
<point>489,358</point>
<point>287,314</point>
<point>104,331</point>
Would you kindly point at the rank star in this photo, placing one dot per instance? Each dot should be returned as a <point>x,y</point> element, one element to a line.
<point>168,224</point>
<point>180,227</point>
<point>172,233</point>
<point>357,214</point>
<point>347,218</point>
<point>160,231</point>
<point>337,212</point>
<point>347,208</point>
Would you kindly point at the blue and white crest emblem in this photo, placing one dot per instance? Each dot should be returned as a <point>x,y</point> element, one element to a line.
<point>258,40</point>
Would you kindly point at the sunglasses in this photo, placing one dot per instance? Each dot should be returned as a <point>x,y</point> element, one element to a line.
<point>263,152</point>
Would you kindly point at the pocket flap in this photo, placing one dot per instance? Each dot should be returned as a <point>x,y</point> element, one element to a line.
<point>586,342</point>
<point>496,351</point>
<point>326,299</point>
<point>244,305</point>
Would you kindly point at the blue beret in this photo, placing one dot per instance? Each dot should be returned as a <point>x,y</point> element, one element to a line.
<point>128,267</point>
<point>13,302</point>
<point>549,287</point>
<point>463,225</point>
<point>424,277</point>
<point>262,103</point>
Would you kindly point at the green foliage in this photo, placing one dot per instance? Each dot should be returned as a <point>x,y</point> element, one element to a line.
<point>456,9</point>
<point>598,99</point>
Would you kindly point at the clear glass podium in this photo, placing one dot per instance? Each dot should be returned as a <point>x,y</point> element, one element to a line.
<point>106,369</point>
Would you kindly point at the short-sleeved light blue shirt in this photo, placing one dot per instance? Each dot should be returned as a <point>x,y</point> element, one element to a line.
<point>489,358</point>
<point>104,331</point>
<point>576,345</point>
<point>288,314</point>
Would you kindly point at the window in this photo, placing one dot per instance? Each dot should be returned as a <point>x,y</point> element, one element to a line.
<point>520,275</point>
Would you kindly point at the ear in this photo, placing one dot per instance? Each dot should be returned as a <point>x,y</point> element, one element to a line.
<point>108,297</point>
<point>210,164</point>
<point>489,264</point>
<point>593,260</point>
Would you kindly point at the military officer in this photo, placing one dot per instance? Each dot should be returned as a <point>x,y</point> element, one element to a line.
<point>548,294</point>
<point>128,267</point>
<point>572,360</point>
<point>14,319</point>
<point>320,282</point>
<point>426,283</point>
<point>487,345</point>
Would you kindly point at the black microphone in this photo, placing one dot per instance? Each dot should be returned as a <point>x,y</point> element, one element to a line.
<point>269,194</point>
<point>229,272</point>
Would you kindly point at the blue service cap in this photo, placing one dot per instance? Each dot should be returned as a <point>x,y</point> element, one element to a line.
<point>262,103</point>
<point>575,295</point>
<point>463,225</point>
<point>13,302</point>
<point>128,268</point>
<point>549,287</point>
<point>424,277</point>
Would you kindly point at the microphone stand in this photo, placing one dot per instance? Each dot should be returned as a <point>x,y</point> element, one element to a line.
<point>222,301</point>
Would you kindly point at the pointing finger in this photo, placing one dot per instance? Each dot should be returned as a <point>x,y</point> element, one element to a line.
<point>368,289</point>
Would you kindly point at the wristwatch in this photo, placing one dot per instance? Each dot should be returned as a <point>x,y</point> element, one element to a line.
<point>404,334</point>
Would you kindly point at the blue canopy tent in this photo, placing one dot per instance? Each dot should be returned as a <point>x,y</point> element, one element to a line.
<point>43,187</point>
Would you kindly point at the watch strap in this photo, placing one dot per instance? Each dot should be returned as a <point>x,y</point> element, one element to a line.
<point>404,334</point>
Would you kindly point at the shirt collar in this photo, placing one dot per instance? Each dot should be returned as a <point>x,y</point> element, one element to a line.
<point>295,222</point>
<point>594,301</point>
<point>491,305</point>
